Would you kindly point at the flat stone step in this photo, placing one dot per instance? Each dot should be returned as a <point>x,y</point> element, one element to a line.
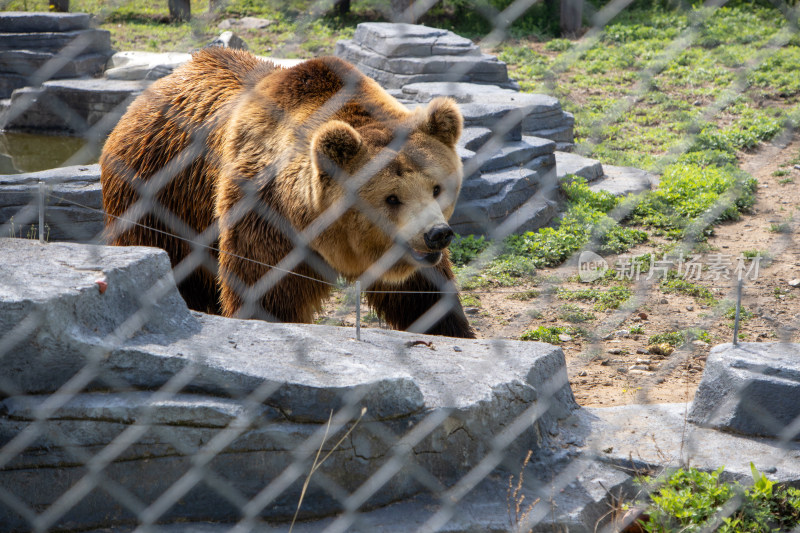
<point>70,105</point>
<point>473,138</point>
<point>28,62</point>
<point>621,181</point>
<point>518,199</point>
<point>495,155</point>
<point>23,21</point>
<point>655,435</point>
<point>472,64</point>
<point>85,41</point>
<point>73,207</point>
<point>511,179</point>
<point>411,40</point>
<point>568,163</point>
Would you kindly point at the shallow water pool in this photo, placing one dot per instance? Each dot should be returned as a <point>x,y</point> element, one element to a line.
<point>25,152</point>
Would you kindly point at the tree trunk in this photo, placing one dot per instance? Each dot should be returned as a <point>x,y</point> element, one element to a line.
<point>571,17</point>
<point>59,6</point>
<point>342,7</point>
<point>179,10</point>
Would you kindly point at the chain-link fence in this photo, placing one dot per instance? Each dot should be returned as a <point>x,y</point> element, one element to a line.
<point>317,191</point>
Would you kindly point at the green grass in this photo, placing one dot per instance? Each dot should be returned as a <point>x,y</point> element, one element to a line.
<point>677,285</point>
<point>470,300</point>
<point>603,300</point>
<point>524,295</point>
<point>691,500</point>
<point>573,313</point>
<point>549,334</point>
<point>681,337</point>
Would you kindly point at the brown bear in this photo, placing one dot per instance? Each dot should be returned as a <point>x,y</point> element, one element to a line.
<point>265,184</point>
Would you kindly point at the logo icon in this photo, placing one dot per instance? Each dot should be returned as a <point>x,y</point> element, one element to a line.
<point>591,266</point>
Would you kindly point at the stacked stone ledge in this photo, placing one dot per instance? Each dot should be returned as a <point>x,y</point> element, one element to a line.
<point>395,55</point>
<point>35,47</point>
<point>47,65</point>
<point>475,391</point>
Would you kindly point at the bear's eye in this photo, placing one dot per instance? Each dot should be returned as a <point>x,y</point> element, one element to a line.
<point>393,200</point>
<point>436,191</point>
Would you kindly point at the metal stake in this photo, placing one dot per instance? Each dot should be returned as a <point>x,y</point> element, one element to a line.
<point>41,211</point>
<point>738,309</point>
<point>358,310</point>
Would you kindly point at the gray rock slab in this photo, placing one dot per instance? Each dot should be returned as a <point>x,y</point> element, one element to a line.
<point>392,80</point>
<point>129,407</point>
<point>73,205</point>
<point>8,84</point>
<point>751,389</point>
<point>514,208</point>
<point>621,181</point>
<point>228,39</point>
<point>147,360</point>
<point>574,164</point>
<point>143,65</point>
<point>410,40</point>
<point>495,155</point>
<point>461,92</point>
<point>475,137</point>
<point>576,508</point>
<point>658,435</point>
<point>434,64</point>
<point>71,106</point>
<point>138,335</point>
<point>23,21</point>
<point>561,134</point>
<point>28,62</point>
<point>86,41</point>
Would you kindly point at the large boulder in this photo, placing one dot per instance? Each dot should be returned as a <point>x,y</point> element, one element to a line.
<point>107,370</point>
<point>751,389</point>
<point>73,203</point>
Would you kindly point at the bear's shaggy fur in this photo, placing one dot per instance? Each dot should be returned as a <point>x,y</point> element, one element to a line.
<point>289,178</point>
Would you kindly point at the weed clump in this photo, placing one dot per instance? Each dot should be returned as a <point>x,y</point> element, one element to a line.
<point>610,299</point>
<point>691,500</point>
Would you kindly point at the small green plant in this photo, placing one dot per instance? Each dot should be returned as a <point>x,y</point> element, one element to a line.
<point>752,254</point>
<point>780,172</point>
<point>548,334</point>
<point>744,313</point>
<point>470,300</point>
<point>691,500</point>
<point>780,227</point>
<point>530,294</point>
<point>786,181</point>
<point>675,284</point>
<point>573,313</point>
<point>534,313</point>
<point>465,249</point>
<point>637,330</point>
<point>681,337</point>
<point>604,300</point>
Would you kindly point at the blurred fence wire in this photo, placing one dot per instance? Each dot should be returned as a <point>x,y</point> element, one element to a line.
<point>141,415</point>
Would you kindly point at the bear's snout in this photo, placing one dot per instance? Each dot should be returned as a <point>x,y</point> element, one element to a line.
<point>439,237</point>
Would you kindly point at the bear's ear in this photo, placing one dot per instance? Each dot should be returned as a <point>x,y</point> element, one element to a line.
<point>334,146</point>
<point>443,121</point>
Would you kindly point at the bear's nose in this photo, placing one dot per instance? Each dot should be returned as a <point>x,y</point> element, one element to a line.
<point>439,237</point>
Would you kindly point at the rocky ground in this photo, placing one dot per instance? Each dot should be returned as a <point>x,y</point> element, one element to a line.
<point>618,368</point>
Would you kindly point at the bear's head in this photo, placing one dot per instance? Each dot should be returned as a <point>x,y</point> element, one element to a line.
<point>400,180</point>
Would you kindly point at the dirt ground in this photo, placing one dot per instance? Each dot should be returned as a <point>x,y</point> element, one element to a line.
<point>616,367</point>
